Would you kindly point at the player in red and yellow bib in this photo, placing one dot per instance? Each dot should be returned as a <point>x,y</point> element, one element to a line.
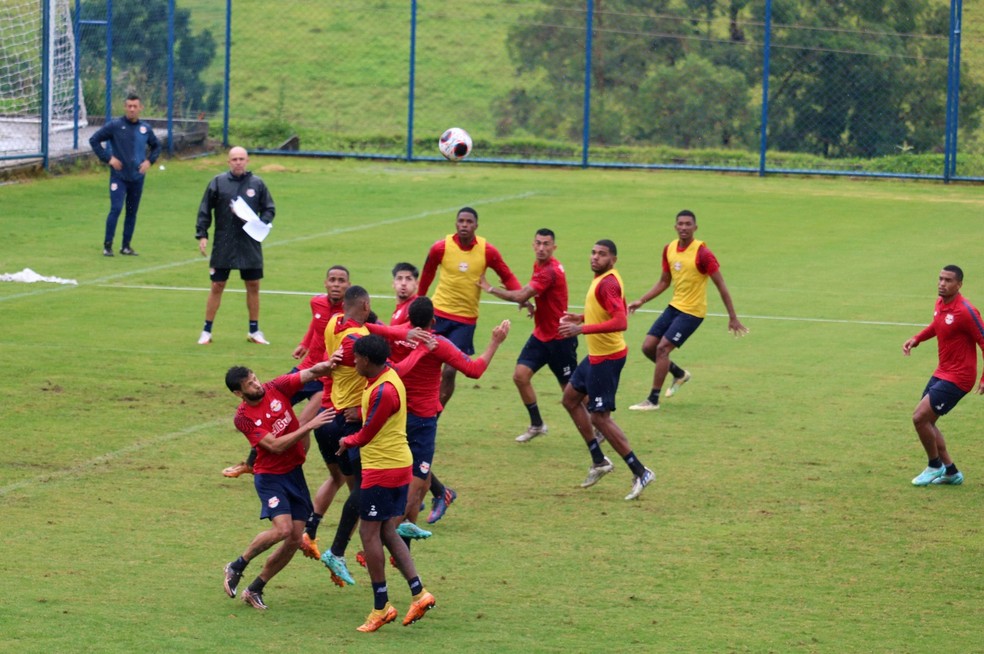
<point>462,259</point>
<point>596,378</point>
<point>687,265</point>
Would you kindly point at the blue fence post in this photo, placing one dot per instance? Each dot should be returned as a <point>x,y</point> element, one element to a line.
<point>948,129</point>
<point>955,125</point>
<point>412,80</point>
<point>76,71</point>
<point>225,90</point>
<point>45,78</point>
<point>170,77</point>
<point>766,64</point>
<point>588,42</point>
<point>109,60</point>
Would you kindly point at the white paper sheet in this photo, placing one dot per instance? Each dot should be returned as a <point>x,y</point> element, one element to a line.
<point>252,225</point>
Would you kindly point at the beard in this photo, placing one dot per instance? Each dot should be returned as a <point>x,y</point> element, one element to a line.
<point>254,397</point>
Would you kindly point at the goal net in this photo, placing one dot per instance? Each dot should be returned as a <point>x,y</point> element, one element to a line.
<point>22,74</point>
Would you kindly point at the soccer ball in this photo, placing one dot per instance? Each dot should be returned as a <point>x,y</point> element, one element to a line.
<point>455,144</point>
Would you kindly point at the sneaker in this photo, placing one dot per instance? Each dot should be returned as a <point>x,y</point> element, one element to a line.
<point>927,476</point>
<point>231,580</point>
<point>108,251</point>
<point>677,383</point>
<point>337,565</point>
<point>953,480</point>
<point>309,548</point>
<point>378,617</point>
<point>257,337</point>
<point>407,529</point>
<point>241,468</point>
<point>205,338</point>
<point>645,405</point>
<point>424,603</point>
<point>126,250</point>
<point>640,484</point>
<point>254,599</point>
<point>441,505</point>
<point>596,472</point>
<point>532,433</point>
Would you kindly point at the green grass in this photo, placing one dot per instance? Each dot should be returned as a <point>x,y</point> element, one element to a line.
<point>782,518</point>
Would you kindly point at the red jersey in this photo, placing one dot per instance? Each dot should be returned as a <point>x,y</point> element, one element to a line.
<point>550,283</point>
<point>957,327</point>
<point>273,415</point>
<point>322,309</point>
<point>401,314</point>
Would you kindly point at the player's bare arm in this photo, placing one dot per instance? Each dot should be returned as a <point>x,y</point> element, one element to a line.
<point>659,287</point>
<point>734,325</point>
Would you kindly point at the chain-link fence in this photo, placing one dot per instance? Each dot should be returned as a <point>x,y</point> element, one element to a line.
<point>894,87</point>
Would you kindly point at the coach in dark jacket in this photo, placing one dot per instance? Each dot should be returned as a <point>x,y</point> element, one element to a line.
<point>232,247</point>
<point>128,159</point>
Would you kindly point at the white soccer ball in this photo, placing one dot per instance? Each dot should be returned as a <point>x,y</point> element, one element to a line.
<point>455,144</point>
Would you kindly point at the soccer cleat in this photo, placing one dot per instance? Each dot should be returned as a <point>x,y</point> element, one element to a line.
<point>360,558</point>
<point>531,433</point>
<point>952,480</point>
<point>645,405</point>
<point>205,338</point>
<point>126,250</point>
<point>596,472</point>
<point>423,603</point>
<point>337,566</point>
<point>241,468</point>
<point>108,251</point>
<point>407,529</point>
<point>677,383</point>
<point>378,617</point>
<point>257,337</point>
<point>231,580</point>
<point>927,476</point>
<point>440,505</point>
<point>309,548</point>
<point>254,599</point>
<point>640,484</point>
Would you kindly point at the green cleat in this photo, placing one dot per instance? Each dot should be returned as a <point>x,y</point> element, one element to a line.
<point>952,480</point>
<point>407,529</point>
<point>927,476</point>
<point>337,566</point>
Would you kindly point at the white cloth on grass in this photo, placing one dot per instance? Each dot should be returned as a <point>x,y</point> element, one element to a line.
<point>28,276</point>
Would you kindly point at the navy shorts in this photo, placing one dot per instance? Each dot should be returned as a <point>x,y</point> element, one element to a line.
<point>422,439</point>
<point>309,389</point>
<point>378,503</point>
<point>246,274</point>
<point>675,325</point>
<point>943,395</point>
<point>459,333</point>
<point>283,494</point>
<point>599,381</point>
<point>560,355</point>
<point>328,436</point>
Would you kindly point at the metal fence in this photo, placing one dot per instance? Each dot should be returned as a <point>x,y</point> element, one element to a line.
<point>891,88</point>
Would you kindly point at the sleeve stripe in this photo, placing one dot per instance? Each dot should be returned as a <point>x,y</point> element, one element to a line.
<point>973,316</point>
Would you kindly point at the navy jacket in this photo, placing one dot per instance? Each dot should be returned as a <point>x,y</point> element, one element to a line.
<point>128,142</point>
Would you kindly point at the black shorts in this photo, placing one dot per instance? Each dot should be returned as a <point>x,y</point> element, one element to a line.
<point>283,494</point>
<point>328,437</point>
<point>943,395</point>
<point>559,354</point>
<point>378,503</point>
<point>675,326</point>
<point>459,333</point>
<point>246,274</point>
<point>599,381</point>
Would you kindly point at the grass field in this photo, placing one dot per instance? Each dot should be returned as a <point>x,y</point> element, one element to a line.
<point>782,518</point>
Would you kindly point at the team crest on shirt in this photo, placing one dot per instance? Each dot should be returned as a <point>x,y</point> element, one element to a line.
<point>317,316</point>
<point>113,186</point>
<point>250,192</point>
<point>949,319</point>
<point>259,422</point>
<point>463,266</point>
<point>143,130</point>
<point>677,266</point>
<point>276,406</point>
<point>273,502</point>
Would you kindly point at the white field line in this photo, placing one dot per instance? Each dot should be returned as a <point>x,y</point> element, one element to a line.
<point>289,241</point>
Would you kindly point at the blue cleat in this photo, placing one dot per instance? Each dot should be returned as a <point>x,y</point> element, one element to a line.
<point>441,505</point>
<point>953,480</point>
<point>337,566</point>
<point>407,529</point>
<point>927,476</point>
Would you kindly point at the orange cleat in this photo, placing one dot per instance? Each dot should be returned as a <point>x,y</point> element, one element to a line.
<point>310,547</point>
<point>377,618</point>
<point>240,468</point>
<point>422,603</point>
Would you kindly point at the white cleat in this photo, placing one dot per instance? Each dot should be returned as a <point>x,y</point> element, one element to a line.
<point>677,383</point>
<point>205,338</point>
<point>532,433</point>
<point>257,337</point>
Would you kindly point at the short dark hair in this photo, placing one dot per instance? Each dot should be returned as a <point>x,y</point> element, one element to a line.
<point>132,96</point>
<point>468,210</point>
<point>421,312</point>
<point>354,293</point>
<point>687,212</point>
<point>543,231</point>
<point>235,377</point>
<point>342,268</point>
<point>956,270</point>
<point>403,266</point>
<point>373,347</point>
<point>608,243</point>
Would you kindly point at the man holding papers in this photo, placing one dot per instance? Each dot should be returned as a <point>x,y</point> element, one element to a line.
<point>243,210</point>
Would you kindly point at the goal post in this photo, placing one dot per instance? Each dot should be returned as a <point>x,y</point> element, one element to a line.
<point>39,93</point>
